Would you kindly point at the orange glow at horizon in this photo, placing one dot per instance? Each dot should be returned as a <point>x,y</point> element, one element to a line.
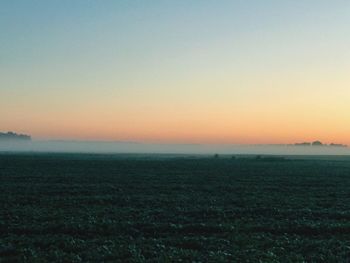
<point>255,127</point>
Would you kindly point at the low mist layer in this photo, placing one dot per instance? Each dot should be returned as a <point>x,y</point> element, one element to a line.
<point>129,147</point>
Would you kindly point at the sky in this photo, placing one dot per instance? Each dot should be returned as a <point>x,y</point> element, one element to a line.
<point>180,71</point>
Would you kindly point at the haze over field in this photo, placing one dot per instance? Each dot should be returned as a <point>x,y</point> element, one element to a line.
<point>175,72</point>
<point>143,148</point>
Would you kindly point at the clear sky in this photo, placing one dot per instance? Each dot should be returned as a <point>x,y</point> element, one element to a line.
<point>187,71</point>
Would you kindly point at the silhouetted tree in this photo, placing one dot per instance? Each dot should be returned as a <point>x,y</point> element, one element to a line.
<point>317,143</point>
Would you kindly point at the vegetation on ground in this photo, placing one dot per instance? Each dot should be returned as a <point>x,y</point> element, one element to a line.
<point>102,208</point>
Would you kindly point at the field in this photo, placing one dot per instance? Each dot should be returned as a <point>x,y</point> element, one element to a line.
<point>105,208</point>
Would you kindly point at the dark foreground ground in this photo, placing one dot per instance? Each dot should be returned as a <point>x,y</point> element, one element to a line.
<point>85,208</point>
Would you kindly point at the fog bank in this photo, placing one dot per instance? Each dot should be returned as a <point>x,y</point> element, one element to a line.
<point>144,148</point>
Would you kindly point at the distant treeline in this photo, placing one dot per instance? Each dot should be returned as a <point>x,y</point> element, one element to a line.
<point>14,136</point>
<point>318,143</point>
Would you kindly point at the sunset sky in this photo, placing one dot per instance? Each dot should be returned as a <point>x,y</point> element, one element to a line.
<point>180,71</point>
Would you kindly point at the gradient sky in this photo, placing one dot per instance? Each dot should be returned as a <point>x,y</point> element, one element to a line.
<point>244,71</point>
